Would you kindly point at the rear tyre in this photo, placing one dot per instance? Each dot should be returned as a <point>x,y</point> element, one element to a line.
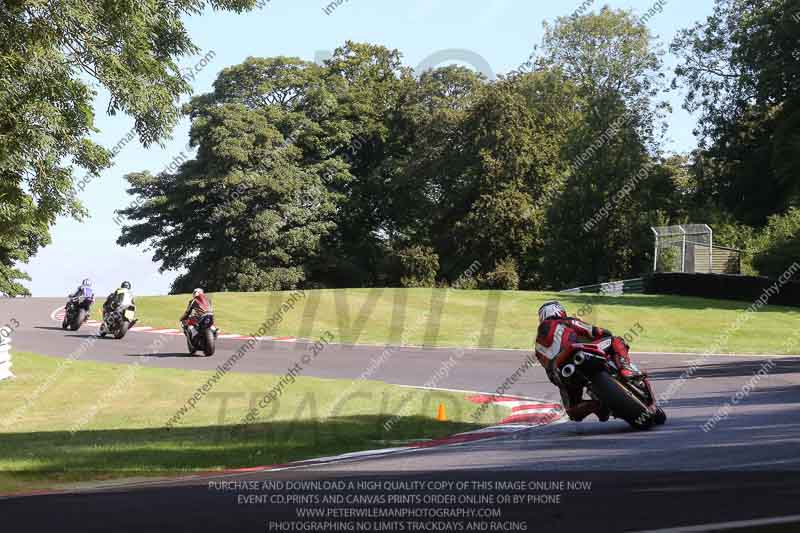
<point>209,347</point>
<point>621,401</point>
<point>123,329</point>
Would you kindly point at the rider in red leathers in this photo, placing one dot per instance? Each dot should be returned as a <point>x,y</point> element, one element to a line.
<point>555,343</point>
<point>198,306</point>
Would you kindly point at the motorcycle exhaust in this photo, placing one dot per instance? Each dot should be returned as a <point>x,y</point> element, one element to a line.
<point>579,358</point>
<point>568,370</point>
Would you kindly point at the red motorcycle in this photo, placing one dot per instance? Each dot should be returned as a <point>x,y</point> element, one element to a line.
<point>605,370</point>
<point>201,335</point>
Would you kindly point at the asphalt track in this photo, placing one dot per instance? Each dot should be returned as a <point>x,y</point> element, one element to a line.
<point>746,468</point>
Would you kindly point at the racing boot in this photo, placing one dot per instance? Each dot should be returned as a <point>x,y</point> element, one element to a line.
<point>581,410</point>
<point>626,369</point>
<point>623,361</point>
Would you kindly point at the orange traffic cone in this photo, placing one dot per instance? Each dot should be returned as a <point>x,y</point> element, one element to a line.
<point>440,415</point>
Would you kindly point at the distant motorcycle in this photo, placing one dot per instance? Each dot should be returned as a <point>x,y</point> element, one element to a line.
<point>77,311</point>
<point>627,394</point>
<point>204,336</point>
<point>120,318</point>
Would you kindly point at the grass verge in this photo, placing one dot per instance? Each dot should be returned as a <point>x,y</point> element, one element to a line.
<point>443,317</point>
<point>98,421</point>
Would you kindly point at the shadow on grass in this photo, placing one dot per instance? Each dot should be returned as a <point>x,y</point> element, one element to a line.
<point>64,456</point>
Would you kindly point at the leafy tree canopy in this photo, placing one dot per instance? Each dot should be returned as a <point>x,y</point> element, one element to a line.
<point>741,68</point>
<point>249,211</point>
<point>358,173</point>
<point>48,51</point>
<point>597,227</point>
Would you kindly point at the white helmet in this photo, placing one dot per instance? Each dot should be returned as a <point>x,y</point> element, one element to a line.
<point>552,309</point>
<point>197,292</point>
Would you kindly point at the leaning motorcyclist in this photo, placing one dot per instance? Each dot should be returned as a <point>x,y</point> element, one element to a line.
<point>198,306</point>
<point>555,343</point>
<point>121,296</point>
<point>84,290</point>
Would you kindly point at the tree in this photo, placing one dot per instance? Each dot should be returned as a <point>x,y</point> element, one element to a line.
<point>514,136</point>
<point>611,57</point>
<point>419,266</point>
<point>249,212</point>
<point>597,227</point>
<point>423,171</point>
<point>47,51</point>
<point>412,179</point>
<point>371,86</point>
<point>740,70</point>
<point>777,247</point>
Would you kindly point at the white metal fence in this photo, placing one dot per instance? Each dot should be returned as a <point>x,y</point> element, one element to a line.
<point>5,359</point>
<point>611,288</point>
<point>683,248</point>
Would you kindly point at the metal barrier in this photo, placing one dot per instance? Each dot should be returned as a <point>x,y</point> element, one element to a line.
<point>5,359</point>
<point>611,288</point>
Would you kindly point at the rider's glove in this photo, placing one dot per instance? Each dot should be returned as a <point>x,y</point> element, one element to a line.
<point>607,333</point>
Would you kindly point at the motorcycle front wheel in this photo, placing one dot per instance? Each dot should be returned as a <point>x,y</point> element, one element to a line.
<point>123,329</point>
<point>621,401</point>
<point>209,344</point>
<point>79,319</point>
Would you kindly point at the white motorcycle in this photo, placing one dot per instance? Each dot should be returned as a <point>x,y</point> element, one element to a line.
<point>121,318</point>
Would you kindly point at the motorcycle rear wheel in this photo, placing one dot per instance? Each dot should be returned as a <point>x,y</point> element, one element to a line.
<point>622,402</point>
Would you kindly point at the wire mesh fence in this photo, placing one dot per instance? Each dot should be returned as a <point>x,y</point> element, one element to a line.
<point>683,248</point>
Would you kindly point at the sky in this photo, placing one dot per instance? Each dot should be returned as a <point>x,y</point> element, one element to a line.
<point>488,35</point>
